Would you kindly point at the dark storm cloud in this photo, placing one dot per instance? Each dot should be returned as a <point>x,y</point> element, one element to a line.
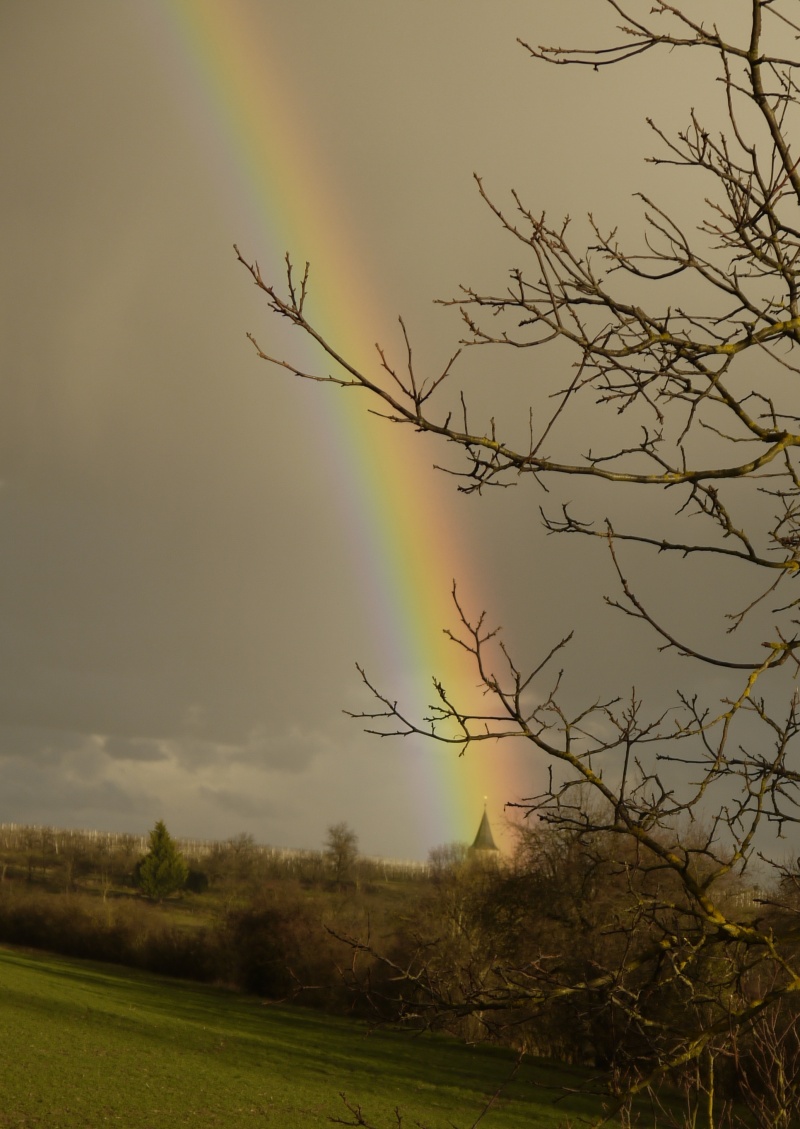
<point>182,602</point>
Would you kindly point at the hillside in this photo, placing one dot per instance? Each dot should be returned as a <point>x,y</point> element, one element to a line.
<point>91,1045</point>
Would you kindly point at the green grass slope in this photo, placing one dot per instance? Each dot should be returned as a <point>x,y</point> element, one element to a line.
<point>86,1045</point>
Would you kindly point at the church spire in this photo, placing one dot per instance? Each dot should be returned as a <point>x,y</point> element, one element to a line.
<point>484,840</point>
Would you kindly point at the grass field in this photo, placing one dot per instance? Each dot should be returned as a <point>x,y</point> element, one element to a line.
<point>87,1045</point>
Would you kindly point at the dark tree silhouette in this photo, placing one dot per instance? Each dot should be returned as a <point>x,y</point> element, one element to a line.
<point>691,341</point>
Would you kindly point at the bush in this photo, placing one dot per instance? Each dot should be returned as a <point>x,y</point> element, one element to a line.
<point>196,881</point>
<point>127,932</point>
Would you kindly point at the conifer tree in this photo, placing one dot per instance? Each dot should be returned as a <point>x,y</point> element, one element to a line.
<point>163,870</point>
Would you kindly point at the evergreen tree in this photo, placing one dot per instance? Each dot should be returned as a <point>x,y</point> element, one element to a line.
<point>163,869</point>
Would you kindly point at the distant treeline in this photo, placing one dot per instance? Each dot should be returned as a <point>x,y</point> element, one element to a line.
<point>17,837</point>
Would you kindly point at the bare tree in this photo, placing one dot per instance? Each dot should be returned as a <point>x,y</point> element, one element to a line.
<point>689,340</point>
<point>341,850</point>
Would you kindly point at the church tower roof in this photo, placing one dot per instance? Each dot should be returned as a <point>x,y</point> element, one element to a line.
<point>484,840</point>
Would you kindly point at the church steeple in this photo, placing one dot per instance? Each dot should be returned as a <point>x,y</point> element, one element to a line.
<point>484,840</point>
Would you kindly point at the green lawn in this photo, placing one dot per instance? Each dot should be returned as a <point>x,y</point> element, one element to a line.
<point>86,1045</point>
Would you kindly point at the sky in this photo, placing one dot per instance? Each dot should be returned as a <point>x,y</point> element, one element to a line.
<point>197,548</point>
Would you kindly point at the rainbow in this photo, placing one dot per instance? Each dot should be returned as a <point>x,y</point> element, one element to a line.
<point>400,512</point>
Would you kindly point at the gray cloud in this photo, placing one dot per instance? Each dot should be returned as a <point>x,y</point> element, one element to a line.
<point>239,803</point>
<point>40,745</point>
<point>74,799</point>
<point>292,751</point>
<point>133,749</point>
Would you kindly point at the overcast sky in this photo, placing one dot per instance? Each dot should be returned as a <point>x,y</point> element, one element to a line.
<point>182,604</point>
